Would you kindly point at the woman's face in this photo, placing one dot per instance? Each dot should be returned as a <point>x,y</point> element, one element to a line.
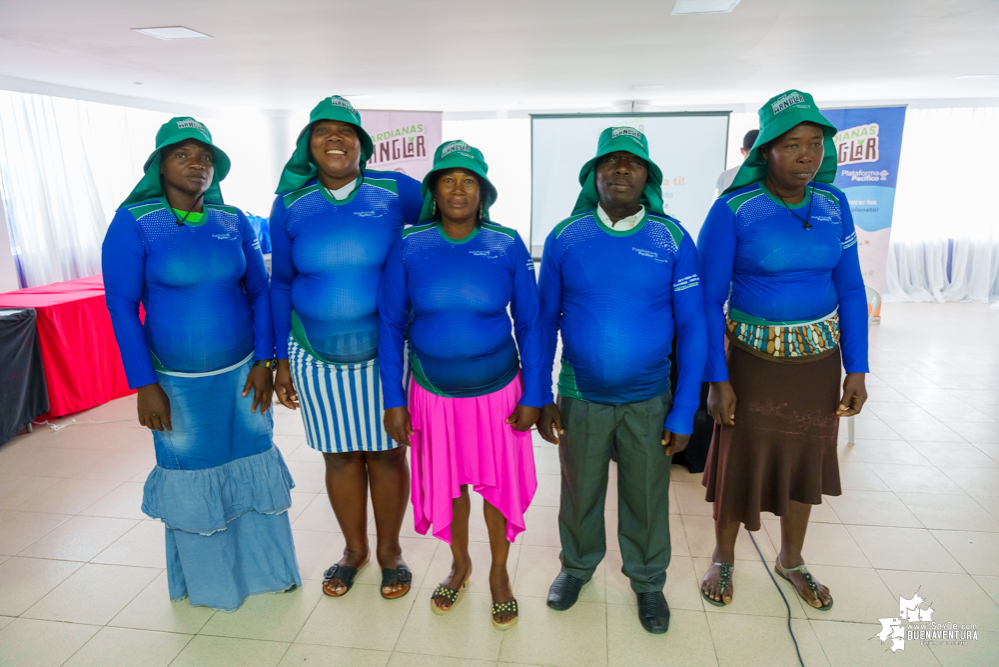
<point>457,195</point>
<point>794,157</point>
<point>336,148</point>
<point>188,166</point>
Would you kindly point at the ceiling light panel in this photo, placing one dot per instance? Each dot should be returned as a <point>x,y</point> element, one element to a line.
<point>704,6</point>
<point>173,32</point>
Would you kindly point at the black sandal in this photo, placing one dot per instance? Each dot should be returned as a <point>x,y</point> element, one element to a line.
<point>402,574</point>
<point>723,583</point>
<point>506,607</point>
<point>344,573</point>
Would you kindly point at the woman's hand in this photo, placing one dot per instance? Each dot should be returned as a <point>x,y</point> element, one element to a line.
<point>283,387</point>
<point>550,423</point>
<point>154,408</point>
<point>398,425</point>
<point>262,382</point>
<point>854,395</point>
<point>523,417</point>
<point>721,403</point>
<point>674,442</point>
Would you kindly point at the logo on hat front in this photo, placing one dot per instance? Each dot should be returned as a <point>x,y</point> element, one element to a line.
<point>338,101</point>
<point>456,147</point>
<point>191,124</point>
<point>629,132</point>
<point>785,101</point>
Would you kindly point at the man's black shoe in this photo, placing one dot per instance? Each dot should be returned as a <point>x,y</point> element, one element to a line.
<point>564,591</point>
<point>653,612</point>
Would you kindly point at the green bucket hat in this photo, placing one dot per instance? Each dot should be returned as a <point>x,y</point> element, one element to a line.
<point>174,131</point>
<point>611,140</point>
<point>458,155</point>
<point>777,116</point>
<point>300,169</point>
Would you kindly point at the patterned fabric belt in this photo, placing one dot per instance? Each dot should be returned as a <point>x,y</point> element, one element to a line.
<point>787,340</point>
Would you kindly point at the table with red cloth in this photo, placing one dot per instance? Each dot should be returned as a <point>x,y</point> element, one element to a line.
<point>80,355</point>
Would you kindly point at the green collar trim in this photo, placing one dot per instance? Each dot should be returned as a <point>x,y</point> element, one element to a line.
<point>193,219</point>
<point>628,232</point>
<point>349,198</point>
<point>440,230</point>
<point>809,192</point>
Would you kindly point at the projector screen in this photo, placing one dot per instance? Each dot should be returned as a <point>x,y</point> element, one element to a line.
<point>689,148</point>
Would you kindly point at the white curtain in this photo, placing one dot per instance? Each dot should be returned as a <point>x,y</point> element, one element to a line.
<point>943,212</point>
<point>65,166</point>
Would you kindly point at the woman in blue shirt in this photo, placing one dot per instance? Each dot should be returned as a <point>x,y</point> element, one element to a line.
<point>448,284</point>
<point>194,264</point>
<point>780,246</point>
<point>332,226</point>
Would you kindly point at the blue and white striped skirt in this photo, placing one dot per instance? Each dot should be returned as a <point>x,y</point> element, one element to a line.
<point>341,403</point>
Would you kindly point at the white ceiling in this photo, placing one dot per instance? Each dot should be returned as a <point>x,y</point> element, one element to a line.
<point>504,54</point>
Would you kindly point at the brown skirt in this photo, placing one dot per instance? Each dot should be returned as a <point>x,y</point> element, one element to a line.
<point>783,444</point>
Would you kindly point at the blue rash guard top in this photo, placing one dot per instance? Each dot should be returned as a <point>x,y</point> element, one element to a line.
<point>327,263</point>
<point>781,272</point>
<point>453,294</point>
<point>618,297</point>
<point>203,286</point>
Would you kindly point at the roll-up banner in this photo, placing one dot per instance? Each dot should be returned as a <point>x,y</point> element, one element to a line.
<point>868,145</point>
<point>404,141</point>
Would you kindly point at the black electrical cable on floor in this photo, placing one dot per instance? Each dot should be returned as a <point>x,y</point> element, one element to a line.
<point>767,568</point>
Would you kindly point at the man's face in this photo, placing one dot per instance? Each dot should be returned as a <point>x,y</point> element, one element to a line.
<point>621,178</point>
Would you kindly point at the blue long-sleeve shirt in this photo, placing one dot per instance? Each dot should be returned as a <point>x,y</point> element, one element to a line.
<point>781,272</point>
<point>203,286</point>
<point>328,258</point>
<point>618,297</point>
<point>456,293</point>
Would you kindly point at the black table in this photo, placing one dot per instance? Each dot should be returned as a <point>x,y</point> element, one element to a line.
<point>23,394</point>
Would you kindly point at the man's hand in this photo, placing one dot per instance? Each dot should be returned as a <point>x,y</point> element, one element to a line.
<point>674,442</point>
<point>721,403</point>
<point>154,408</point>
<point>523,417</point>
<point>283,387</point>
<point>261,381</point>
<point>854,395</point>
<point>398,425</point>
<point>550,423</point>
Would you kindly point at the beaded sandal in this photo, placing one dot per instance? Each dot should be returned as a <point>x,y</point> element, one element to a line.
<point>783,571</point>
<point>450,594</point>
<point>502,608</point>
<point>723,583</point>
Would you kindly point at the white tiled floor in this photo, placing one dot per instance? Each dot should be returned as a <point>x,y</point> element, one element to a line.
<point>82,579</point>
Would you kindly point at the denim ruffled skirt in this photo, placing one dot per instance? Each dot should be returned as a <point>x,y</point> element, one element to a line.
<point>222,489</point>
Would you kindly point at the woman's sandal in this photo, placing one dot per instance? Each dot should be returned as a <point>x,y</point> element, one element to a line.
<point>503,608</point>
<point>402,574</point>
<point>782,573</point>
<point>723,583</point>
<point>450,594</point>
<point>344,573</point>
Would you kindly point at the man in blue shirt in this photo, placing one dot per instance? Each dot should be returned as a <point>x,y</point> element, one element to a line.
<point>618,278</point>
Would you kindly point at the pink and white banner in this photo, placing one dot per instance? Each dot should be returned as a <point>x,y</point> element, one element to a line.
<point>404,141</point>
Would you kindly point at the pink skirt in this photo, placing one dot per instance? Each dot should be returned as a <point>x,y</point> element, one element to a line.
<point>467,441</point>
